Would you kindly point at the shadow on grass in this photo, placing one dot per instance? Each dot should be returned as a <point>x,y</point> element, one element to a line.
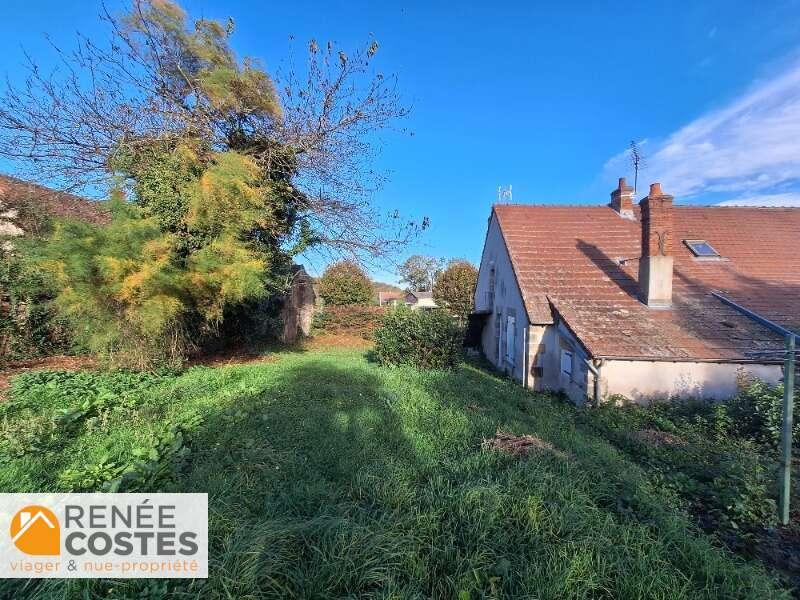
<point>299,476</point>
<point>330,477</point>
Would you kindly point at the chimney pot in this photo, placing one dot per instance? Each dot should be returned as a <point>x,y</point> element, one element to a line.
<point>622,199</point>
<point>655,189</point>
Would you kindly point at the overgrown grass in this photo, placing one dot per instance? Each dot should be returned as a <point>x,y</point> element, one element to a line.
<point>329,476</point>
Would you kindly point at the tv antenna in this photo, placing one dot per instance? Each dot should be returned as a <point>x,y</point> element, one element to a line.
<point>504,195</point>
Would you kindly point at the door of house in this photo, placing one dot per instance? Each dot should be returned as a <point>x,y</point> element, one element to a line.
<point>511,339</point>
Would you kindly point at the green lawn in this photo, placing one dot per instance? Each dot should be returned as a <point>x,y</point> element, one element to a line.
<point>329,476</point>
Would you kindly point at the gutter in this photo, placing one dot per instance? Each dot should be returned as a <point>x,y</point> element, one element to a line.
<point>680,359</point>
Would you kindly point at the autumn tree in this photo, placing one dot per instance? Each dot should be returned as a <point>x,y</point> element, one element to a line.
<point>419,272</point>
<point>345,282</point>
<point>454,289</point>
<point>229,172</point>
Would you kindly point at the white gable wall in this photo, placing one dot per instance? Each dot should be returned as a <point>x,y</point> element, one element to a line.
<point>504,302</point>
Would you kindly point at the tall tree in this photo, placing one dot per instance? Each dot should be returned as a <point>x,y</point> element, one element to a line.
<point>455,289</point>
<point>160,85</point>
<point>230,174</point>
<point>419,272</point>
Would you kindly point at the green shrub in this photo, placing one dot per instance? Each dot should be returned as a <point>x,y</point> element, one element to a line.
<point>757,412</point>
<point>353,319</point>
<point>29,324</point>
<point>345,282</point>
<point>426,339</point>
<point>691,449</point>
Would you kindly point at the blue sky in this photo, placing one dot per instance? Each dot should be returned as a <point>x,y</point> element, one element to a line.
<point>541,96</point>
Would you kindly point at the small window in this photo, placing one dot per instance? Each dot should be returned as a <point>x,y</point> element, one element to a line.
<point>701,248</point>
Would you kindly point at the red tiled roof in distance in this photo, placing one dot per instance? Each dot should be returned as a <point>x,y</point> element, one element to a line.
<point>585,260</point>
<point>54,203</point>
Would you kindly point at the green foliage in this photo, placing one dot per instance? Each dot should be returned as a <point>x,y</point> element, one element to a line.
<point>160,177</point>
<point>209,232</point>
<point>329,476</point>
<point>203,64</point>
<point>352,319</point>
<point>145,290</point>
<point>693,449</point>
<point>756,412</point>
<point>419,272</point>
<point>426,339</point>
<point>345,282</point>
<point>454,289</point>
<point>29,323</point>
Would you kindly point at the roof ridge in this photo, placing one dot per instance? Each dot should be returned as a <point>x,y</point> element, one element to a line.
<point>681,206</point>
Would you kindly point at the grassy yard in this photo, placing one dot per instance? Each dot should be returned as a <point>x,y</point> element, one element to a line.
<point>329,476</point>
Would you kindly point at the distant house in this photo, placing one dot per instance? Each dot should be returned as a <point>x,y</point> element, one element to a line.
<point>391,298</point>
<point>420,300</point>
<point>622,295</point>
<point>23,203</point>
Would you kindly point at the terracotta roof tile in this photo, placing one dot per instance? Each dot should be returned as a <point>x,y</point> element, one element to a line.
<point>585,260</point>
<point>55,203</point>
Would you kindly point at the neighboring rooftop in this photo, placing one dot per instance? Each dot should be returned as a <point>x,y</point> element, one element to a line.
<point>16,192</point>
<point>583,261</point>
<point>422,295</point>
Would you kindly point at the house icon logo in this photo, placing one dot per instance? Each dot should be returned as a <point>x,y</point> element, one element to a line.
<point>35,530</point>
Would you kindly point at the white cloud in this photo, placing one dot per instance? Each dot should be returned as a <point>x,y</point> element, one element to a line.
<point>785,199</point>
<point>746,148</point>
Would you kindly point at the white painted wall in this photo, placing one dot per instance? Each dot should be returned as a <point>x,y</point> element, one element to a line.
<point>644,381</point>
<point>549,345</point>
<point>506,300</point>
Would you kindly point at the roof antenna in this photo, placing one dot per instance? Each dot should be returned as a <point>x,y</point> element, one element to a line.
<point>637,162</point>
<point>504,195</point>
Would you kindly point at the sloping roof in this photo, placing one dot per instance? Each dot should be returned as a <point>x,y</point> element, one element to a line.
<point>422,295</point>
<point>14,191</point>
<point>391,295</point>
<point>570,254</point>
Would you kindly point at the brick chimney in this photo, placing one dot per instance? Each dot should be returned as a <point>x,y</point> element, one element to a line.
<point>655,265</point>
<point>622,199</point>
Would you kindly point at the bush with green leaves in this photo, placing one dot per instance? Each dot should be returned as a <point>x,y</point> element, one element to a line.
<point>426,339</point>
<point>691,449</point>
<point>344,283</point>
<point>757,412</point>
<point>351,319</point>
<point>29,324</point>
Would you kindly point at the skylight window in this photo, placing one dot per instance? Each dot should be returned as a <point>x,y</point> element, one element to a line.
<point>701,248</point>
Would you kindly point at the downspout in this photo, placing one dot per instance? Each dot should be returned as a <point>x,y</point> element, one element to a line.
<point>526,337</point>
<point>594,368</point>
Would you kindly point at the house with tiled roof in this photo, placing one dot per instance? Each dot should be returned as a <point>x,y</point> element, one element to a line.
<point>418,300</point>
<point>23,203</point>
<point>635,299</point>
